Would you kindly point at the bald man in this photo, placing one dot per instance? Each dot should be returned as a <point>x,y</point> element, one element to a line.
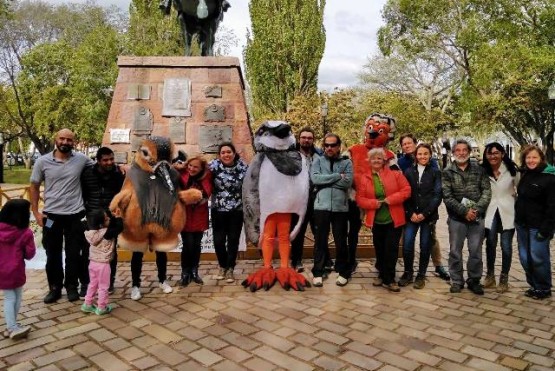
<point>60,219</point>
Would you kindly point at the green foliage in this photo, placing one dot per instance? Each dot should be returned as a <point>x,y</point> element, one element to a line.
<point>283,52</point>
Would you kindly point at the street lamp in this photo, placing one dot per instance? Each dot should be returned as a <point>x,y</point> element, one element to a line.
<point>324,113</point>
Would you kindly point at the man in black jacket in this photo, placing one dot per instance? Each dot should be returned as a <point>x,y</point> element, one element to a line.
<point>101,183</point>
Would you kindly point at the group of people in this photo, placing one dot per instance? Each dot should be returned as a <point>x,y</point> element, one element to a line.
<point>393,198</point>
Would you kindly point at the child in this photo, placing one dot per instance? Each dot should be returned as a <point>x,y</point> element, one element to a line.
<point>16,244</point>
<point>101,235</point>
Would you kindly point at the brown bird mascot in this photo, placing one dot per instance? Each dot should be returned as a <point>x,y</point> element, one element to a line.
<point>150,202</point>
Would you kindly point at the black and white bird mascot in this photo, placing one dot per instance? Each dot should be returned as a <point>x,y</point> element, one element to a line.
<point>275,187</point>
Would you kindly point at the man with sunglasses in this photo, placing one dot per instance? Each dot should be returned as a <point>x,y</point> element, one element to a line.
<point>332,175</point>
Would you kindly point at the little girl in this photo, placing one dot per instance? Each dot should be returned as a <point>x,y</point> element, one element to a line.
<point>101,235</point>
<point>16,244</point>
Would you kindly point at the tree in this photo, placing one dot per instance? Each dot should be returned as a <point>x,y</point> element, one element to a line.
<point>282,56</point>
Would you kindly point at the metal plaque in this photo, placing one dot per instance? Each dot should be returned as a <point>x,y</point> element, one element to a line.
<point>138,92</point>
<point>177,97</point>
<point>143,120</point>
<point>178,128</point>
<point>214,91</point>
<point>210,136</point>
<point>120,157</point>
<point>214,113</point>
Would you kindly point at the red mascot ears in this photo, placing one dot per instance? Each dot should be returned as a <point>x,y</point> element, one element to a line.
<point>378,130</point>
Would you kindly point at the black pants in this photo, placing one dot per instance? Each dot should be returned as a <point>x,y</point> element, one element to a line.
<point>190,255</point>
<point>68,229</point>
<point>113,267</point>
<point>297,244</point>
<point>386,242</point>
<point>137,267</point>
<point>355,223</point>
<point>338,221</point>
<point>226,227</point>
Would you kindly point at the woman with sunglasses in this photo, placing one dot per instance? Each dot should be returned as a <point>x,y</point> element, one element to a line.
<point>500,215</point>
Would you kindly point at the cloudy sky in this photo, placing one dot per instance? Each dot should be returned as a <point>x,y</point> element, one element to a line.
<point>351,27</point>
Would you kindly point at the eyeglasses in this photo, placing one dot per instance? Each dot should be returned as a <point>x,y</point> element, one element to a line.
<point>330,145</point>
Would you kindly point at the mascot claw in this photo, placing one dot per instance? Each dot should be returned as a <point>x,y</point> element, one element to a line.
<point>263,278</point>
<point>289,278</point>
<point>266,277</point>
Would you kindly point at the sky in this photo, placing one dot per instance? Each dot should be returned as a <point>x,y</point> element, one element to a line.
<point>351,35</point>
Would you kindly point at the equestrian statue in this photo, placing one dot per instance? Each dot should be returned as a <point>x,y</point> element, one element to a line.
<point>200,17</point>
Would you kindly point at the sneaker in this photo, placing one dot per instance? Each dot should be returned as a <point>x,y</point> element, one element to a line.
<point>221,274</point>
<point>165,287</point>
<point>136,293</point>
<point>442,273</point>
<point>419,282</point>
<point>392,287</point>
<point>318,282</point>
<point>229,277</point>
<point>88,308</point>
<point>377,281</point>
<point>503,283</point>
<point>341,281</point>
<point>72,294</point>
<point>102,311</point>
<point>489,281</point>
<point>475,286</point>
<point>530,293</point>
<point>405,279</point>
<point>455,288</point>
<point>53,296</point>
<point>83,291</point>
<point>19,332</point>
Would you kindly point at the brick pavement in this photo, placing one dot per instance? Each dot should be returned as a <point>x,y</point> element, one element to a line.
<point>222,326</point>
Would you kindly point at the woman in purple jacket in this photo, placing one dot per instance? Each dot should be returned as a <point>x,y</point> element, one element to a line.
<point>16,244</point>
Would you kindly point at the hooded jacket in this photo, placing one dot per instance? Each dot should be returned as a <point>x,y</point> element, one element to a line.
<point>535,203</point>
<point>16,246</point>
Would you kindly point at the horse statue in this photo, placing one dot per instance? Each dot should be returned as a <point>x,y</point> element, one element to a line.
<point>200,17</point>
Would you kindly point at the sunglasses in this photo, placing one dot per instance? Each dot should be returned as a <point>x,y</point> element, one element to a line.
<point>330,145</point>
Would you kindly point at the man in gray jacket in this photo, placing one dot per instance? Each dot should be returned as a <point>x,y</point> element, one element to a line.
<point>466,193</point>
<point>332,175</point>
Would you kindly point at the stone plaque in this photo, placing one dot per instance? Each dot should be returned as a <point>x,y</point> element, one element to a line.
<point>177,97</point>
<point>143,120</point>
<point>214,91</point>
<point>210,136</point>
<point>177,129</point>
<point>138,92</point>
<point>119,135</point>
<point>136,141</point>
<point>120,157</point>
<point>214,113</point>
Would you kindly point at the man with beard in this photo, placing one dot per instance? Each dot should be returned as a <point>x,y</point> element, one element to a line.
<point>100,184</point>
<point>305,145</point>
<point>60,219</point>
<point>466,193</point>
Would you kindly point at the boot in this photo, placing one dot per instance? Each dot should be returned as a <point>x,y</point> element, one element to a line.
<point>195,277</point>
<point>503,283</point>
<point>489,281</point>
<point>53,295</point>
<point>185,277</point>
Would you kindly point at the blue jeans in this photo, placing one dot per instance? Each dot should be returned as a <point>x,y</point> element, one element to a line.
<point>12,302</point>
<point>474,234</point>
<point>506,246</point>
<point>535,258</point>
<point>411,229</point>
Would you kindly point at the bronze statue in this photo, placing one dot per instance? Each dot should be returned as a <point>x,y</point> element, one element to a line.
<point>200,17</point>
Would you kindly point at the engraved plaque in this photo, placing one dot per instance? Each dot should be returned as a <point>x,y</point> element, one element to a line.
<point>177,129</point>
<point>119,135</point>
<point>138,92</point>
<point>214,91</point>
<point>210,136</point>
<point>143,120</point>
<point>120,157</point>
<point>177,97</point>
<point>214,113</point>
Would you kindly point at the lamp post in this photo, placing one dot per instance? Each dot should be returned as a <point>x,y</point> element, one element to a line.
<point>324,113</point>
<point>551,95</point>
<point>1,158</point>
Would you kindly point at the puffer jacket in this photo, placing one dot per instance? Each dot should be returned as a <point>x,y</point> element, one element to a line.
<point>100,188</point>
<point>16,246</point>
<point>332,188</point>
<point>472,183</point>
<point>535,202</point>
<point>426,193</point>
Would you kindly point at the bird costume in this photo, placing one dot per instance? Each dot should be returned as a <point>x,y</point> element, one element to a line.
<point>275,187</point>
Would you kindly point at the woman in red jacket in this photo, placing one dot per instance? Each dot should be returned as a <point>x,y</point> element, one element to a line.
<point>381,196</point>
<point>195,174</point>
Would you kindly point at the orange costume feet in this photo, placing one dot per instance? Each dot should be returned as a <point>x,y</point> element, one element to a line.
<point>267,277</point>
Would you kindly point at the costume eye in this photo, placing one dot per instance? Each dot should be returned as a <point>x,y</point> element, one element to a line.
<point>145,152</point>
<point>380,131</point>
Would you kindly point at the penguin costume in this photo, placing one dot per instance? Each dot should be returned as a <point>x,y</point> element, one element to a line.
<point>275,187</point>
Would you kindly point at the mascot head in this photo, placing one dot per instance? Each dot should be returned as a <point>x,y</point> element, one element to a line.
<point>154,156</point>
<point>378,130</point>
<point>274,136</point>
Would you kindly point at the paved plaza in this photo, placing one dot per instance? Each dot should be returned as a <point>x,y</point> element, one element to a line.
<point>222,326</point>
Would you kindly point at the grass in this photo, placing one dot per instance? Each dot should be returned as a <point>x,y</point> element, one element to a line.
<point>16,175</point>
